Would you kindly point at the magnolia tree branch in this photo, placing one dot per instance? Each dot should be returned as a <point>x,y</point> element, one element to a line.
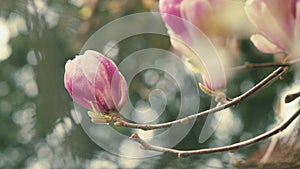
<point>248,65</point>
<point>274,75</point>
<point>183,153</point>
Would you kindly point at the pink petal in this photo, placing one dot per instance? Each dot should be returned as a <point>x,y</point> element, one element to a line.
<point>297,22</point>
<point>75,82</point>
<point>296,44</point>
<point>273,18</point>
<point>69,69</point>
<point>213,83</point>
<point>198,12</point>
<point>283,14</point>
<point>264,45</point>
<point>104,73</point>
<point>205,14</point>
<point>82,93</point>
<point>119,90</point>
<point>170,11</point>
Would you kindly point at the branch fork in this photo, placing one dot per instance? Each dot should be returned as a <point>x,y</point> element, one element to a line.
<point>276,74</point>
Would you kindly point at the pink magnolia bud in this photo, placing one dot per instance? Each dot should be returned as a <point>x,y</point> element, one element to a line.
<point>93,80</point>
<point>279,24</point>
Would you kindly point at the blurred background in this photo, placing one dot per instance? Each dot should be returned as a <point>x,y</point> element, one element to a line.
<point>39,128</point>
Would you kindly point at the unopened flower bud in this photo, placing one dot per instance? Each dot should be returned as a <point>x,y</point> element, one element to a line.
<point>94,82</point>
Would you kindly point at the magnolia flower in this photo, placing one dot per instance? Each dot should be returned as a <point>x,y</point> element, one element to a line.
<point>279,24</point>
<point>94,82</point>
<point>189,23</point>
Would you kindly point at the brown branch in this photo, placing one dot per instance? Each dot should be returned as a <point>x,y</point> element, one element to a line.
<point>183,153</point>
<point>274,75</point>
<point>248,65</point>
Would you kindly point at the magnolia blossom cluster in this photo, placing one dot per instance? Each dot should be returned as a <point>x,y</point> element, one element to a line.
<point>278,24</point>
<point>94,82</point>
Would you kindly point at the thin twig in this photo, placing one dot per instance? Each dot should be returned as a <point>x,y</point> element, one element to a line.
<point>248,65</point>
<point>275,74</point>
<point>270,78</point>
<point>182,153</point>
